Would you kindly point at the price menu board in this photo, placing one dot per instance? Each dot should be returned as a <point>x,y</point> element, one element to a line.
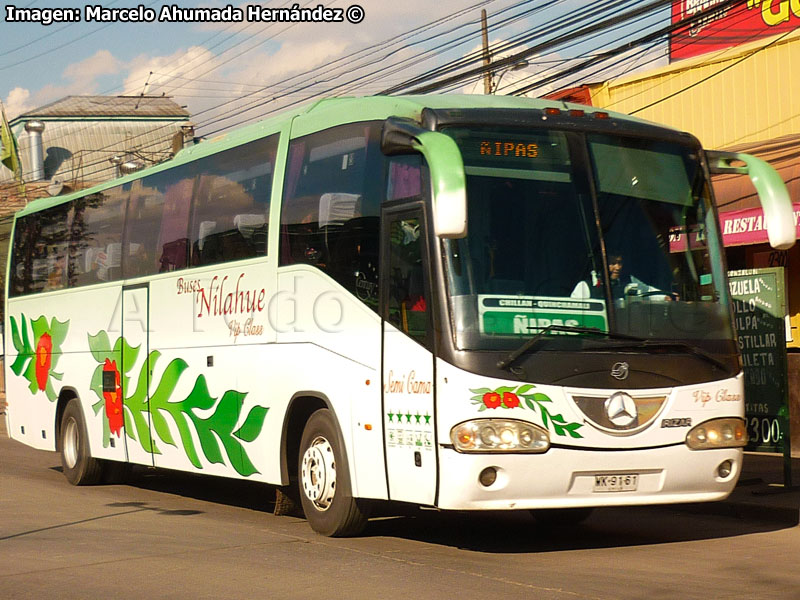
<point>759,304</point>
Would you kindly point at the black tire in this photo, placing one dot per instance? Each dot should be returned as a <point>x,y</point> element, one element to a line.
<point>561,517</point>
<point>77,463</point>
<point>324,480</point>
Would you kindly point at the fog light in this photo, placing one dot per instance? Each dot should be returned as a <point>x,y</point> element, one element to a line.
<point>724,470</point>
<point>488,476</point>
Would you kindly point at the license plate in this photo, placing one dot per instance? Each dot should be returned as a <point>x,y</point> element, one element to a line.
<point>616,483</point>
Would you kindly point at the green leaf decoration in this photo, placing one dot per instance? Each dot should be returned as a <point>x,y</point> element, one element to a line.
<point>537,401</point>
<point>50,392</point>
<point>252,425</point>
<point>106,431</point>
<point>159,401</point>
<point>39,326</point>
<point>149,414</point>
<point>137,406</point>
<point>30,375</point>
<point>58,331</point>
<point>19,363</point>
<point>96,384</point>
<point>25,341</point>
<point>481,391</point>
<point>23,348</point>
<point>572,430</point>
<point>100,347</point>
<point>15,338</point>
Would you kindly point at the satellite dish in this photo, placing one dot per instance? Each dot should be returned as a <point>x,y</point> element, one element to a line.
<point>56,186</point>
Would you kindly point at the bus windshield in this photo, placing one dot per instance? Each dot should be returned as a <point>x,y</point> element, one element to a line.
<point>597,232</point>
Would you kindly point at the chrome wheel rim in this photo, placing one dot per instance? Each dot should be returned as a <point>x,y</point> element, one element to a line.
<point>70,443</point>
<point>318,473</point>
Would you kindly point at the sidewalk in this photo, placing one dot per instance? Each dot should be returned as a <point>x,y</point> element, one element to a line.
<point>760,493</point>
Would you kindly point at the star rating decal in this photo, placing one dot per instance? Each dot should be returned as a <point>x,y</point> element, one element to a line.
<point>416,418</point>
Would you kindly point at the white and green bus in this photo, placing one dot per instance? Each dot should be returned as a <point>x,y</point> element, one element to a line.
<point>466,303</point>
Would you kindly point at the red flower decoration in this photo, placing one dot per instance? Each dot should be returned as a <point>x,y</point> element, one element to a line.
<point>44,358</point>
<point>492,399</point>
<point>113,399</point>
<point>510,400</point>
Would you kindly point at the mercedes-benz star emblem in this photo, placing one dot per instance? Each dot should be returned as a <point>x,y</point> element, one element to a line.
<point>621,409</point>
<point>620,371</point>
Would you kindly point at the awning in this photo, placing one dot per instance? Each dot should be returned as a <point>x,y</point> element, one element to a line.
<point>736,192</point>
<point>741,218</point>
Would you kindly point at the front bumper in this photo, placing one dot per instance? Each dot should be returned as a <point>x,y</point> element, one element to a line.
<point>564,477</point>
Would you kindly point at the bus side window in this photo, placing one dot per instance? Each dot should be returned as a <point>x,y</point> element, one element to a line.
<point>157,223</point>
<point>25,231</point>
<point>96,237</point>
<point>407,300</point>
<point>50,249</point>
<point>330,216</point>
<point>231,203</point>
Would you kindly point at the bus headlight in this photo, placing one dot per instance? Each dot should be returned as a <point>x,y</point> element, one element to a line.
<point>718,433</point>
<point>499,435</point>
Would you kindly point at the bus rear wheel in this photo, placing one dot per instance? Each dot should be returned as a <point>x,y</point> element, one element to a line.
<point>77,463</point>
<point>324,479</point>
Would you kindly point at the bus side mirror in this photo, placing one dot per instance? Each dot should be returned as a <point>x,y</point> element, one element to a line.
<point>775,201</point>
<point>404,136</point>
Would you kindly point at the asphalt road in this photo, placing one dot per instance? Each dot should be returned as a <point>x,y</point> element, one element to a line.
<point>171,535</point>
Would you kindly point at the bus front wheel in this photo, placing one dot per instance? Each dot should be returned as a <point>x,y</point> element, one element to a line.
<point>77,463</point>
<point>324,480</point>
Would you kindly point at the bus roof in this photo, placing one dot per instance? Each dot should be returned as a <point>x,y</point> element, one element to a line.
<point>325,113</point>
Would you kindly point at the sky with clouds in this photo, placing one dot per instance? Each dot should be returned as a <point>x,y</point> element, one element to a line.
<point>230,73</point>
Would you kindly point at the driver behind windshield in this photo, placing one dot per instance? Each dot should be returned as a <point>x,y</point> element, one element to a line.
<point>623,285</point>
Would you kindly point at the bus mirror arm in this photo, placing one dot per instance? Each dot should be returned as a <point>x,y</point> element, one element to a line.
<point>772,193</point>
<point>404,136</point>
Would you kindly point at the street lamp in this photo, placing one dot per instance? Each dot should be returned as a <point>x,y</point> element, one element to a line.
<point>520,64</point>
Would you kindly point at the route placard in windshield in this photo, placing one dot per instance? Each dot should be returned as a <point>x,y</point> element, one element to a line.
<point>525,315</point>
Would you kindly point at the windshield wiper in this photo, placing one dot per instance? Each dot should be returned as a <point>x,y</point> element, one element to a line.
<point>637,343</point>
<point>529,344</point>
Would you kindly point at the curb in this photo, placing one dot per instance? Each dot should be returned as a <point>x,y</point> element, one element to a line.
<point>738,508</point>
<point>753,512</point>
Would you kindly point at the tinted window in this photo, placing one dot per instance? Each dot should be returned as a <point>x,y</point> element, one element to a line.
<point>231,203</point>
<point>407,306</point>
<point>41,247</point>
<point>96,237</point>
<point>331,207</point>
<point>156,228</point>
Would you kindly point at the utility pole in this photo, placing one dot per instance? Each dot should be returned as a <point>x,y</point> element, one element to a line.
<point>487,57</point>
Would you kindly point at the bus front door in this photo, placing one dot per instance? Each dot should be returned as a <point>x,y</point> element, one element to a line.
<point>136,362</point>
<point>408,376</point>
